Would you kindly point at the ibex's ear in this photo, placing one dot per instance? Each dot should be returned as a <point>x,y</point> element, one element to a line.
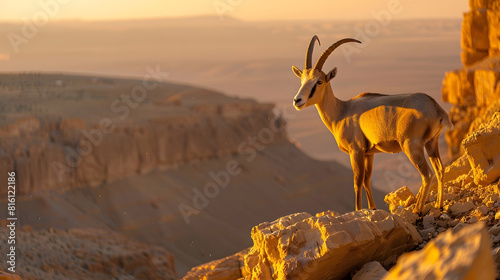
<point>297,71</point>
<point>331,74</point>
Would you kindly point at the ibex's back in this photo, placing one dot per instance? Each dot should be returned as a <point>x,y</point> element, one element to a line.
<point>372,123</point>
<point>387,120</point>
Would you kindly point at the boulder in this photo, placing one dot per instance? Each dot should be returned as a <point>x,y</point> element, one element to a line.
<point>301,246</point>
<point>401,197</point>
<point>483,151</point>
<point>461,207</point>
<point>370,271</point>
<point>228,268</point>
<point>462,255</point>
<point>475,31</point>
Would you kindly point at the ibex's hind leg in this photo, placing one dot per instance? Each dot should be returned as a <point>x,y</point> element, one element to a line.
<point>358,170</point>
<point>432,148</point>
<point>367,181</point>
<point>414,150</point>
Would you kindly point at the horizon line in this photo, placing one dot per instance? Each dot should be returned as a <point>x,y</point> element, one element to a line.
<point>132,19</point>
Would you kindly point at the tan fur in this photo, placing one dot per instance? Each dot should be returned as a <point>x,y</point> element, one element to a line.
<point>372,123</point>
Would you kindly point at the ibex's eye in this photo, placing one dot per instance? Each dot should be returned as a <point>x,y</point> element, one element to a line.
<point>320,82</point>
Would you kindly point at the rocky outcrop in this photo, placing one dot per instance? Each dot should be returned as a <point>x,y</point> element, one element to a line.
<point>474,91</point>
<point>57,144</point>
<point>325,246</point>
<point>480,31</point>
<point>370,271</point>
<point>462,255</point>
<point>86,254</point>
<point>228,268</point>
<point>482,148</point>
<point>301,246</point>
<point>8,276</point>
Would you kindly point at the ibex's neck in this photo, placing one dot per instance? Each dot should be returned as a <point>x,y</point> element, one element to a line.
<point>330,109</point>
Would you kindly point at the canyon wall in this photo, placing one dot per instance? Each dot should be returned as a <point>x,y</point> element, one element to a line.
<point>473,91</point>
<point>111,137</point>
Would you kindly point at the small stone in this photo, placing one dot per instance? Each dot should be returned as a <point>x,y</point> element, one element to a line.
<point>494,230</point>
<point>458,227</point>
<point>496,204</point>
<point>441,223</point>
<point>483,209</point>
<point>428,221</point>
<point>472,220</point>
<point>460,208</point>
<point>441,229</point>
<point>449,196</point>
<point>422,245</point>
<point>406,215</point>
<point>453,223</point>
<point>427,234</point>
<point>445,216</point>
<point>401,197</point>
<point>434,212</point>
<point>372,270</point>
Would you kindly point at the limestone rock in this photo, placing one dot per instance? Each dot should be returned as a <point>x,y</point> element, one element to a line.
<point>301,246</point>
<point>458,88</point>
<point>428,221</point>
<point>483,151</point>
<point>462,255</point>
<point>401,197</point>
<point>474,89</point>
<point>228,268</point>
<point>370,271</point>
<point>8,276</point>
<point>69,146</point>
<point>461,207</point>
<point>457,169</point>
<point>87,254</point>
<point>474,33</point>
<point>406,215</point>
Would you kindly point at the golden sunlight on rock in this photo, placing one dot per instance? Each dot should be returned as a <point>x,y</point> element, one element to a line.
<point>401,197</point>
<point>8,276</point>
<point>301,246</point>
<point>483,151</point>
<point>462,255</point>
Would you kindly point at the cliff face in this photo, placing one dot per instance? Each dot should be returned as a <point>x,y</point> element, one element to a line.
<point>461,241</point>
<point>162,170</point>
<point>87,254</point>
<point>473,91</point>
<point>480,31</point>
<point>106,134</point>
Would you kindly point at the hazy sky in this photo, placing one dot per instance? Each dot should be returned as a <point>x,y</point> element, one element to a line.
<point>242,9</point>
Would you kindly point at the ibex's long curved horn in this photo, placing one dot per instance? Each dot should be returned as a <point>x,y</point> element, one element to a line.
<point>309,52</point>
<point>325,54</point>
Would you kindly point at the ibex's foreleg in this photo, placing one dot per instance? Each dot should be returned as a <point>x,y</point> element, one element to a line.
<point>358,170</point>
<point>414,150</point>
<point>432,148</point>
<point>367,181</point>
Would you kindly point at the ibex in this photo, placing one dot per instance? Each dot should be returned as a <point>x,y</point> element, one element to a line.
<point>375,123</point>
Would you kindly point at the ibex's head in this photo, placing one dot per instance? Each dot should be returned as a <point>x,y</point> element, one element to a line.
<point>313,80</point>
